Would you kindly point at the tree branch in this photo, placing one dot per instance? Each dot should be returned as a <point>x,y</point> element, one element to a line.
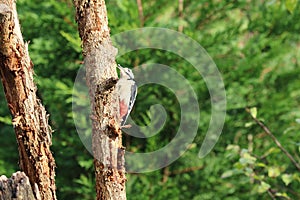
<point>141,13</point>
<point>269,133</point>
<point>180,11</point>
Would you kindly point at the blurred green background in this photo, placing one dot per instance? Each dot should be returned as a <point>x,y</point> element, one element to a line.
<point>256,46</point>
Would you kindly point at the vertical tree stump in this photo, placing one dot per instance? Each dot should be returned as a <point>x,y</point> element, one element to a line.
<point>101,75</point>
<point>17,188</point>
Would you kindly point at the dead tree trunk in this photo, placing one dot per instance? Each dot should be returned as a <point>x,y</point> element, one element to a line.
<point>30,120</point>
<point>101,76</point>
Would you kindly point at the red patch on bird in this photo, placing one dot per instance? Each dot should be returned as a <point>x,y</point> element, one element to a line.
<point>123,109</point>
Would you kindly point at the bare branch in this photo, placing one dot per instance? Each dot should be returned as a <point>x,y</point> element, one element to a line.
<point>141,13</point>
<point>269,133</point>
<point>180,10</point>
<point>186,170</point>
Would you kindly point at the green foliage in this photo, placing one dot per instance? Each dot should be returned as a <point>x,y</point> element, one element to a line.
<point>291,5</point>
<point>255,45</point>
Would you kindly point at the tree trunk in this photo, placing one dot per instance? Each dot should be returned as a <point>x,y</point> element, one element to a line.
<point>101,76</point>
<point>30,120</point>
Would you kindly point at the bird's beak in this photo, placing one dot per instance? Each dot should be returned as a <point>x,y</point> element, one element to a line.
<point>121,69</point>
<point>119,66</point>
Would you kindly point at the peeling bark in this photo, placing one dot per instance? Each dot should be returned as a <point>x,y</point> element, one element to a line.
<point>30,120</point>
<point>101,76</point>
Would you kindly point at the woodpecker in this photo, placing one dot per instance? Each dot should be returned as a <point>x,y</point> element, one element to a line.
<point>127,90</point>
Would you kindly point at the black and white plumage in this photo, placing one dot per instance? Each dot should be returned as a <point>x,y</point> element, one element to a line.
<point>127,90</point>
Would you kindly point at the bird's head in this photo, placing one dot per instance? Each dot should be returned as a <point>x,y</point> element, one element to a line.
<point>125,72</point>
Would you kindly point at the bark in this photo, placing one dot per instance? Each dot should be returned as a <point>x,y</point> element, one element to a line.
<point>30,120</point>
<point>101,76</point>
<point>17,188</point>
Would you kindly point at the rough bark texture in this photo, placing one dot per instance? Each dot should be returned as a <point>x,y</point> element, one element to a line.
<point>30,120</point>
<point>101,77</point>
<point>17,188</point>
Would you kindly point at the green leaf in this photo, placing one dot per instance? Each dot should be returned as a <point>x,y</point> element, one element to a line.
<point>287,179</point>
<point>291,5</point>
<point>73,41</point>
<point>86,163</point>
<point>253,112</point>
<point>233,148</point>
<point>272,150</point>
<point>83,181</point>
<point>263,187</point>
<point>6,120</point>
<point>248,124</point>
<point>246,158</point>
<point>260,164</point>
<point>273,172</point>
<point>278,194</point>
<point>230,173</point>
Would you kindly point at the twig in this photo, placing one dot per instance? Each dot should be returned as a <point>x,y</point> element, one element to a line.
<point>267,131</point>
<point>141,13</point>
<point>166,174</point>
<point>180,10</point>
<point>271,194</point>
<point>213,16</point>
